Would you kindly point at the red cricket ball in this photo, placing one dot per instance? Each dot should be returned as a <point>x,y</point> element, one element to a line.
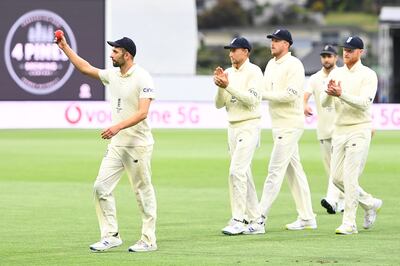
<point>59,34</point>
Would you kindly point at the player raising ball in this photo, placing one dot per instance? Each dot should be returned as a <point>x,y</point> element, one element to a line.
<point>131,92</point>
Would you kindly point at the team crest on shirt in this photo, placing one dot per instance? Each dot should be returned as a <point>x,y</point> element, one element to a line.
<point>233,99</point>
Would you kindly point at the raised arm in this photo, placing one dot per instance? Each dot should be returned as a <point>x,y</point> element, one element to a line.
<point>81,64</point>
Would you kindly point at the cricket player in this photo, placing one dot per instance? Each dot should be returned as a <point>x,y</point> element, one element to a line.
<point>239,93</point>
<point>334,200</point>
<point>283,88</point>
<point>131,93</point>
<point>351,89</point>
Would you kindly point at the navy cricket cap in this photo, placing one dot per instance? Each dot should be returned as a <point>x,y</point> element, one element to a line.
<point>328,49</point>
<point>125,43</point>
<point>239,42</point>
<point>353,42</point>
<point>281,34</point>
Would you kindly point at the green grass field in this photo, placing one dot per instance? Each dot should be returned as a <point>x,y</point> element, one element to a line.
<point>48,216</point>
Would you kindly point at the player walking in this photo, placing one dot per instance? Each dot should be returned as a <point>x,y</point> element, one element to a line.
<point>131,92</point>
<point>283,88</point>
<point>334,200</point>
<point>238,92</point>
<point>351,89</point>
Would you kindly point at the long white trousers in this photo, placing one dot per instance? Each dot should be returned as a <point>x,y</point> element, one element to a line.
<point>243,141</point>
<point>285,160</point>
<point>136,162</point>
<point>349,155</point>
<point>333,194</point>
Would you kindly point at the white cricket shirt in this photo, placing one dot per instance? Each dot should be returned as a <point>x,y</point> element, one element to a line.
<point>326,115</point>
<point>242,97</point>
<point>353,107</point>
<point>125,92</point>
<point>283,88</point>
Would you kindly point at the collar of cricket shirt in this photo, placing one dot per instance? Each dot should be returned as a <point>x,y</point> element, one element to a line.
<point>283,58</point>
<point>129,72</point>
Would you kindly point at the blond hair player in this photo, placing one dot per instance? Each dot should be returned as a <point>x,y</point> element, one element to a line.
<point>334,200</point>
<point>239,93</point>
<point>351,89</point>
<point>283,88</point>
<point>131,93</point>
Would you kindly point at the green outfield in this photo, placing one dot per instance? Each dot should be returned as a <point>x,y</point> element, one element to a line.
<point>48,217</point>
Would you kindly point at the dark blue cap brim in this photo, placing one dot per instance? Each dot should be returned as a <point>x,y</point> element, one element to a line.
<point>348,46</point>
<point>273,36</point>
<point>235,47</point>
<point>327,52</point>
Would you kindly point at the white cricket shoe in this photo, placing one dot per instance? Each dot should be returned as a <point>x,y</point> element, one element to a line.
<point>300,224</point>
<point>142,246</point>
<point>330,208</point>
<point>234,227</point>
<point>345,229</point>
<point>370,215</point>
<point>255,227</point>
<point>106,243</point>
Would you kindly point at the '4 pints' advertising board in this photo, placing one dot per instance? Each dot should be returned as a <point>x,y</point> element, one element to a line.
<point>33,67</point>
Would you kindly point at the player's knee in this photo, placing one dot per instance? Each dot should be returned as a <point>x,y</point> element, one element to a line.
<point>99,189</point>
<point>336,181</point>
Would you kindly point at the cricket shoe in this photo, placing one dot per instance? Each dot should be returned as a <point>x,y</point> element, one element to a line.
<point>300,224</point>
<point>330,208</point>
<point>345,229</point>
<point>370,215</point>
<point>106,243</point>
<point>255,227</point>
<point>142,246</point>
<point>234,227</point>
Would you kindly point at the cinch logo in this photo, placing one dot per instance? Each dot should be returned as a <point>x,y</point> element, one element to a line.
<point>33,60</point>
<point>147,90</point>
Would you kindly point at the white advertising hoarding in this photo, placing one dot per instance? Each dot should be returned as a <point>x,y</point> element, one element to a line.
<point>163,114</point>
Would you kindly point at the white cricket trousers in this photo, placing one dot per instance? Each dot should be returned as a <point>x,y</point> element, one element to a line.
<point>349,155</point>
<point>243,139</point>
<point>285,160</point>
<point>136,162</point>
<point>333,194</point>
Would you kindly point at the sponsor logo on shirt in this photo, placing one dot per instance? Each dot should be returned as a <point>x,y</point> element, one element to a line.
<point>292,91</point>
<point>252,91</point>
<point>147,90</point>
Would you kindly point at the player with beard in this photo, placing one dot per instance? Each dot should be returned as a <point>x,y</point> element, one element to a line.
<point>334,200</point>
<point>131,93</point>
<point>351,90</point>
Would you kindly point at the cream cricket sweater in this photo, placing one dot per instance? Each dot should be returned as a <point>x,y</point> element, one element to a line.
<point>326,115</point>
<point>353,106</point>
<point>242,97</point>
<point>283,88</point>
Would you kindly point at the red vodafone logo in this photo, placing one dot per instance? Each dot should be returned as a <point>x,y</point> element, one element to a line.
<point>73,114</point>
<point>96,115</point>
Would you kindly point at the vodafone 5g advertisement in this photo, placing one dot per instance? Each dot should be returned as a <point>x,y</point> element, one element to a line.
<point>32,67</point>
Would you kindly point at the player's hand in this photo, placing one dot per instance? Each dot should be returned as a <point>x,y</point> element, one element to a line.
<point>221,78</point>
<point>60,42</point>
<point>308,110</point>
<point>110,132</point>
<point>218,71</point>
<point>334,89</point>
